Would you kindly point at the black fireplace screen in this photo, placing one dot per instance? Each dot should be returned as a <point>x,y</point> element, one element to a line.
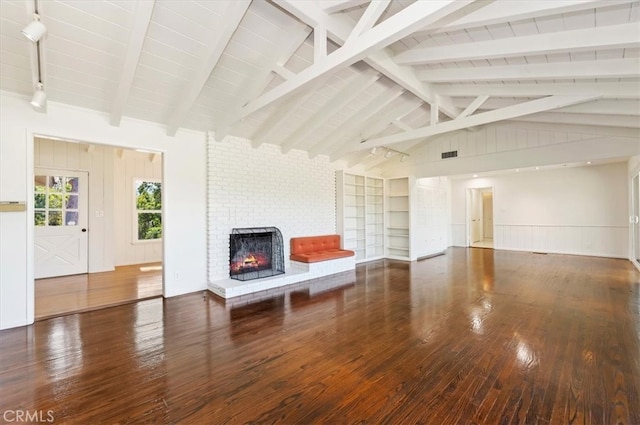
<point>255,252</point>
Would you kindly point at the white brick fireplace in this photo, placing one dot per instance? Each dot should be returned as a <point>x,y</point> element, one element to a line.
<point>262,187</point>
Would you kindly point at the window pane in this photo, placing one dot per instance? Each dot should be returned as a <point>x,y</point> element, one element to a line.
<point>40,200</point>
<point>40,184</point>
<point>55,218</point>
<point>71,218</point>
<point>71,202</point>
<point>148,195</point>
<point>40,218</point>
<point>55,200</point>
<point>72,184</point>
<point>56,184</point>
<point>149,226</point>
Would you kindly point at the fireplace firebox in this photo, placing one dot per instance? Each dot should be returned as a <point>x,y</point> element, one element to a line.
<point>255,253</point>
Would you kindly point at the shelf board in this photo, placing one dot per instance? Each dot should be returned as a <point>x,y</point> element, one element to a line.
<point>397,196</point>
<point>398,236</point>
<point>397,248</point>
<point>397,228</point>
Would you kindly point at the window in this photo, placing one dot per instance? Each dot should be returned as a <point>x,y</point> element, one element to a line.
<point>148,199</point>
<point>56,201</point>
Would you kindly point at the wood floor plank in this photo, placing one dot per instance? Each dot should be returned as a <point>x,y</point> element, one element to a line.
<point>474,336</point>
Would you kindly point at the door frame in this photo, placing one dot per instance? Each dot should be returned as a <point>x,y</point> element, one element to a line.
<point>29,175</point>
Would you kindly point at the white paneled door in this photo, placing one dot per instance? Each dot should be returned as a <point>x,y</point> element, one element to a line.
<point>60,219</point>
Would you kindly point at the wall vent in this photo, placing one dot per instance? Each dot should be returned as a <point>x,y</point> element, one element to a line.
<point>450,154</point>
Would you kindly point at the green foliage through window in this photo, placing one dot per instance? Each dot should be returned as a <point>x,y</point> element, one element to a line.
<point>149,209</point>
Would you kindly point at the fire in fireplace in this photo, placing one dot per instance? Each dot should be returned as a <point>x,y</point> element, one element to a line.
<point>255,253</point>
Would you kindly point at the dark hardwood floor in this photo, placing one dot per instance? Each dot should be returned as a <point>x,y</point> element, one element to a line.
<point>475,336</point>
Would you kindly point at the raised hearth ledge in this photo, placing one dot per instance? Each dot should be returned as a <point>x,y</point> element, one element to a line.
<point>296,272</point>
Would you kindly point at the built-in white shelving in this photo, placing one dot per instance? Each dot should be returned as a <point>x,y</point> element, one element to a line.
<point>360,218</point>
<point>398,220</point>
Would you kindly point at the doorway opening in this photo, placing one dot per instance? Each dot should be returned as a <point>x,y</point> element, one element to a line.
<point>480,217</point>
<point>97,226</point>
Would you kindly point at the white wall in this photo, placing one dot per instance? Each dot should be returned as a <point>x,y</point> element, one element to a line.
<point>581,210</point>
<point>98,162</point>
<point>511,145</point>
<point>262,187</point>
<point>131,165</point>
<point>184,189</point>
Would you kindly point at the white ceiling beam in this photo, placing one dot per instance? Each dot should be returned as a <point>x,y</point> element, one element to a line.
<point>319,43</point>
<point>379,124</point>
<point>472,107</point>
<point>275,60</point>
<point>434,113</point>
<point>281,115</point>
<point>374,126</point>
<point>368,19</point>
<point>401,125</point>
<point>142,19</point>
<point>616,90</point>
<point>333,6</point>
<point>283,72</point>
<point>340,26</point>
<point>600,106</point>
<point>609,37</point>
<point>417,15</point>
<point>353,123</point>
<point>503,11</point>
<point>617,121</point>
<point>355,87</point>
<point>613,68</point>
<point>227,24</point>
<point>522,109</point>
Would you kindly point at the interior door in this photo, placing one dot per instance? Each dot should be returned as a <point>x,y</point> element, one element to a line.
<point>60,219</point>
<point>476,216</point>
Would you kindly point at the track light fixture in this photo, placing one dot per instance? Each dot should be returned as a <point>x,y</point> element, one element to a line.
<point>35,30</point>
<point>39,99</point>
<point>388,152</point>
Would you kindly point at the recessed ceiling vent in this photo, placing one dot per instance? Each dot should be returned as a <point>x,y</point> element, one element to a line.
<point>450,154</point>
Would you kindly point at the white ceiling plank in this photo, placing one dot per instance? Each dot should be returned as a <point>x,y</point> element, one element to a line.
<point>614,68</point>
<point>333,6</point>
<point>281,115</point>
<point>473,106</point>
<point>355,87</point>
<point>354,122</point>
<point>339,28</point>
<point>405,22</point>
<point>613,90</point>
<point>613,36</point>
<point>509,11</point>
<point>522,109</point>
<point>142,18</point>
<point>227,25</point>
<point>290,42</point>
<point>368,19</point>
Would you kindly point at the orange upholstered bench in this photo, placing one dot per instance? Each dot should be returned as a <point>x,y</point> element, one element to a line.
<point>313,249</point>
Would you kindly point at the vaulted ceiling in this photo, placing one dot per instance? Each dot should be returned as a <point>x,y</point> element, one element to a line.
<point>332,77</point>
